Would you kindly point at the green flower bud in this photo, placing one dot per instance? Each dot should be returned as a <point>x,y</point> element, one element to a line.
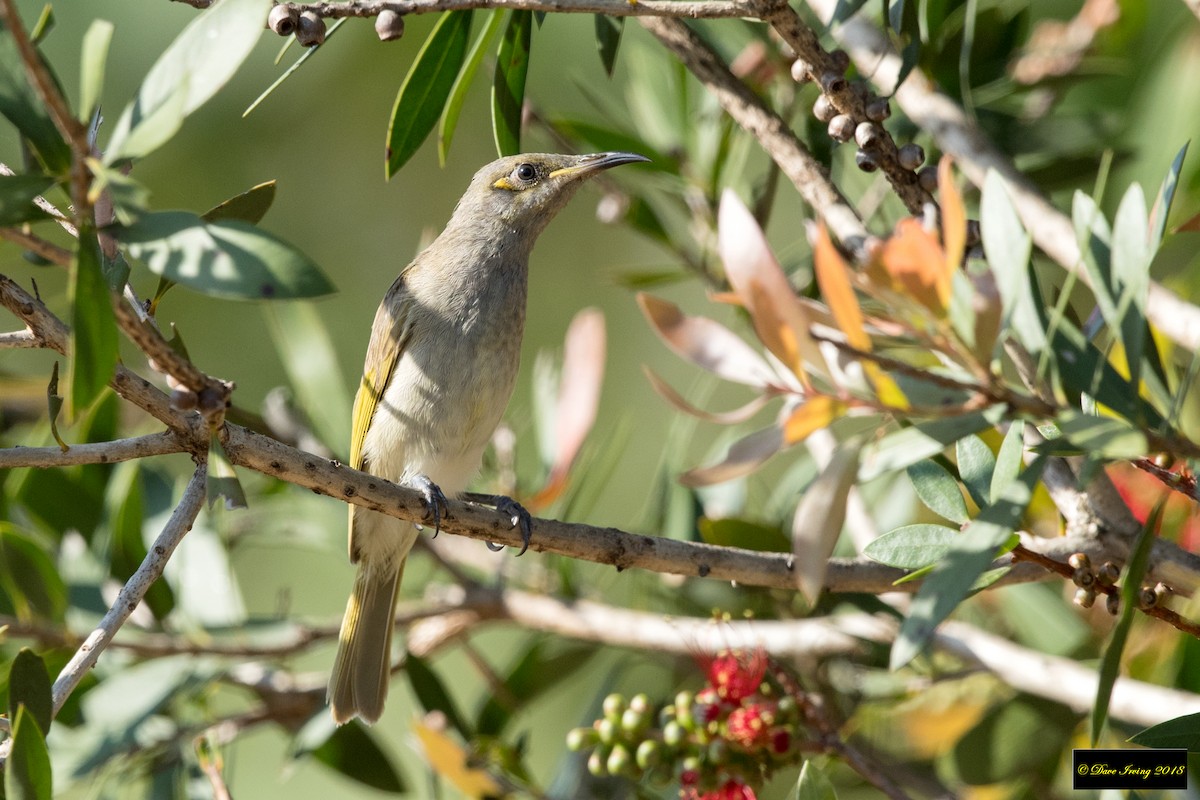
<point>633,721</point>
<point>649,754</point>
<point>665,715</point>
<point>674,734</point>
<point>614,706</point>
<point>620,762</point>
<point>595,763</point>
<point>582,738</point>
<point>641,704</point>
<point>608,731</point>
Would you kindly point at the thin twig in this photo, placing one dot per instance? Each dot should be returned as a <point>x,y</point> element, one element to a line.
<point>692,9</point>
<point>18,340</point>
<point>37,245</point>
<point>134,590</point>
<point>154,444</point>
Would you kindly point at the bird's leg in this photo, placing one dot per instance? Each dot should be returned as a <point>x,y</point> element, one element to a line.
<point>511,508</point>
<point>435,501</point>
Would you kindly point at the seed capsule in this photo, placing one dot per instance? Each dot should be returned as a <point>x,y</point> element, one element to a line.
<point>865,161</point>
<point>389,25</point>
<point>867,135</point>
<point>878,109</point>
<point>1113,603</point>
<point>310,30</point>
<point>1080,561</point>
<point>841,128</point>
<point>283,20</point>
<point>184,400</point>
<point>911,156</point>
<point>1084,598</point>
<point>1083,577</point>
<point>832,82</point>
<point>840,59</point>
<point>1108,573</point>
<point>928,179</point>
<point>801,71</point>
<point>824,109</point>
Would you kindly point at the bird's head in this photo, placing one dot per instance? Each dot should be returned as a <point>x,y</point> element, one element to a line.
<point>522,193</point>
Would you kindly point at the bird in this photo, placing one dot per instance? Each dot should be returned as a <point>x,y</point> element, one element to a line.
<point>440,368</point>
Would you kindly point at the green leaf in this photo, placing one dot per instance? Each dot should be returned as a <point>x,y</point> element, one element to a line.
<point>1084,370</point>
<point>1179,732</point>
<point>1009,459</point>
<point>508,89</point>
<point>448,122</point>
<point>313,368</point>
<point>912,546</point>
<point>27,771</point>
<point>92,63</point>
<point>20,104</point>
<point>221,480</point>
<point>29,688</point>
<point>130,198</point>
<point>608,39</point>
<point>971,553</point>
<point>745,534</point>
<point>976,464</point>
<point>349,750</point>
<point>125,510</point>
<point>30,578</point>
<point>432,695</point>
<point>1096,437</point>
<point>1095,242</point>
<point>54,404</point>
<point>1131,256</point>
<point>534,673</point>
<point>1131,584</point>
<point>249,206</point>
<point>1008,246</point>
<point>17,193</point>
<point>426,88</point>
<point>1014,739</point>
<point>1162,203</point>
<point>308,53</point>
<point>900,449</point>
<point>227,258</point>
<point>938,490</point>
<point>203,57</point>
<point>93,347</point>
<point>813,785</point>
<point>45,23</point>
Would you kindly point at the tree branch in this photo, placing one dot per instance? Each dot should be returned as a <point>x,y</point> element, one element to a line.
<point>693,9</point>
<point>154,444</point>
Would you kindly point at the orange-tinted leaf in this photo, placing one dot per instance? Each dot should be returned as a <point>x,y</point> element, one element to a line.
<point>677,400</point>
<point>450,760</point>
<point>916,265</point>
<point>1192,225</point>
<point>744,456</point>
<point>707,343</point>
<point>833,276</point>
<point>813,414</point>
<point>954,219</point>
<point>578,399</point>
<point>757,278</point>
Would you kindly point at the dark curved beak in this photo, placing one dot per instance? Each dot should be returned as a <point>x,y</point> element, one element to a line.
<point>595,162</point>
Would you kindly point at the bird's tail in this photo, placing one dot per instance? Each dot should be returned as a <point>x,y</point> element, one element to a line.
<point>359,682</point>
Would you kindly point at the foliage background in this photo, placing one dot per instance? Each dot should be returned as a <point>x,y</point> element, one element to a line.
<point>321,135</point>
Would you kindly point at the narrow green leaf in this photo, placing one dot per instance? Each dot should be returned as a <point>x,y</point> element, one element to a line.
<point>203,57</point>
<point>29,688</point>
<point>1097,437</point>
<point>1095,242</point>
<point>899,449</point>
<point>129,197</point>
<point>349,750</point>
<point>30,579</point>
<point>45,23</point>
<point>1179,732</point>
<point>1166,195</point>
<point>844,10</point>
<point>426,88</point>
<point>448,122</point>
<point>20,104</point>
<point>1009,459</point>
<point>813,785</point>
<point>508,89</point>
<point>226,258</point>
<point>125,510</point>
<point>222,480</point>
<point>27,771</point>
<point>17,193</point>
<point>305,56</point>
<point>1131,584</point>
<point>1014,739</point>
<point>249,206</point>
<point>969,556</point>
<point>432,694</point>
<point>1085,370</point>
<point>1131,256</point>
<point>92,63</point>
<point>1008,246</point>
<point>911,546</point>
<point>976,463</point>
<point>313,369</point>
<point>93,348</point>
<point>608,40</point>
<point>54,404</point>
<point>938,490</point>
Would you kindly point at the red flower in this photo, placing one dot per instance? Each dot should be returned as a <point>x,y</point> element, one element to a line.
<point>747,727</point>
<point>737,674</point>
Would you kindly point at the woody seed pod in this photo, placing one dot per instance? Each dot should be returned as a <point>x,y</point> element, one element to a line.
<point>1084,598</point>
<point>867,135</point>
<point>865,161</point>
<point>840,59</point>
<point>310,31</point>
<point>1108,573</point>
<point>389,25</point>
<point>911,156</point>
<point>878,109</point>
<point>282,20</point>
<point>832,81</point>
<point>841,128</point>
<point>801,70</point>
<point>823,109</point>
<point>928,179</point>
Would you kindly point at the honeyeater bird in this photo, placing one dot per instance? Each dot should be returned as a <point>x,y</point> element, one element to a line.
<point>439,371</point>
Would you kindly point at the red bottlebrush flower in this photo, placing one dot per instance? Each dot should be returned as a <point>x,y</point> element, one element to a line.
<point>747,727</point>
<point>730,790</point>
<point>781,741</point>
<point>737,674</point>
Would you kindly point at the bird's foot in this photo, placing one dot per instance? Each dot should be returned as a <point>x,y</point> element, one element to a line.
<point>435,501</point>
<point>511,508</point>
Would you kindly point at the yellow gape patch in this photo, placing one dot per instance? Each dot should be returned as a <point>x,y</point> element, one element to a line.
<point>505,183</point>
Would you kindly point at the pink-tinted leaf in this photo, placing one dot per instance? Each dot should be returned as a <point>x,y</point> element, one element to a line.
<point>707,343</point>
<point>677,400</point>
<point>578,398</point>
<point>744,456</point>
<point>819,519</point>
<point>757,278</point>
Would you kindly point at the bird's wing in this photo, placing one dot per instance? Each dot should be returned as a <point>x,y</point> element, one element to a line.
<point>389,335</point>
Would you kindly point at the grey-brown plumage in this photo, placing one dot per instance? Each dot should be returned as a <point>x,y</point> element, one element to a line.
<point>439,371</point>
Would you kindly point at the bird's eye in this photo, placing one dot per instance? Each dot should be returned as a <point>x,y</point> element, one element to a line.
<point>526,172</point>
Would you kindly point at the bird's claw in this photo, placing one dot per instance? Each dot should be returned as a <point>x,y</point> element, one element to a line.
<point>435,501</point>
<point>515,511</point>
